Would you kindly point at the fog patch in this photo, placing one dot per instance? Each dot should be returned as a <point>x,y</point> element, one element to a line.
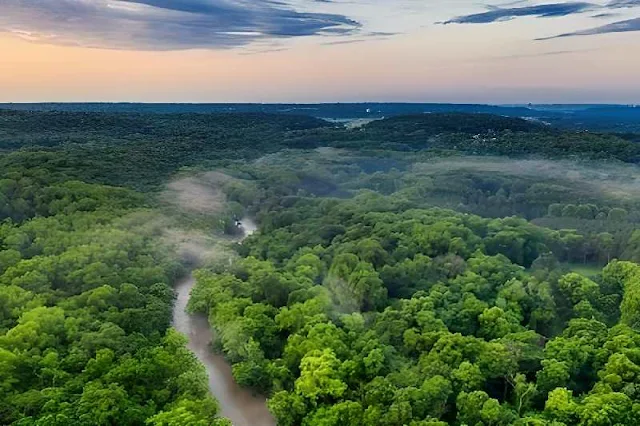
<point>330,152</point>
<point>195,248</point>
<point>202,193</point>
<point>608,178</point>
<point>196,215</point>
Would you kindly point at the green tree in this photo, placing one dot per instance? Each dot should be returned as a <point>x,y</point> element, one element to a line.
<point>320,376</point>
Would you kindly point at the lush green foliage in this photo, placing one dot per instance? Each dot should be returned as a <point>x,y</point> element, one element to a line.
<point>143,150</point>
<point>485,134</point>
<point>362,312</point>
<point>597,216</point>
<point>139,150</point>
<point>85,309</point>
<point>392,282</point>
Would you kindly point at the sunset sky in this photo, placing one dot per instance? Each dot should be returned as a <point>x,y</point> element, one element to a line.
<point>320,51</point>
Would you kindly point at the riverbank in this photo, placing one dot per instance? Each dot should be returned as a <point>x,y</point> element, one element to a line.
<point>237,404</point>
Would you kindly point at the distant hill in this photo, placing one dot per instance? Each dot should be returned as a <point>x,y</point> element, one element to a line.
<point>325,110</point>
<point>610,118</point>
<point>142,149</point>
<point>453,122</point>
<point>51,128</point>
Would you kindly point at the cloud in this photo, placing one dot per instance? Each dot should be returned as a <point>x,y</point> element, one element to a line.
<point>617,4</point>
<point>164,24</point>
<point>549,10</point>
<point>541,11</point>
<point>605,15</point>
<point>628,25</point>
<point>362,38</point>
<point>543,54</point>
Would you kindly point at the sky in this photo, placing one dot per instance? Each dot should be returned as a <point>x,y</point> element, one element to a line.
<point>501,51</point>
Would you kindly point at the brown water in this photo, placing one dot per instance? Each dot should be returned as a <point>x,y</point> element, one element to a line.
<point>237,404</point>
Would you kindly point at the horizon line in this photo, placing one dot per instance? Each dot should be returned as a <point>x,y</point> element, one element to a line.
<point>506,104</point>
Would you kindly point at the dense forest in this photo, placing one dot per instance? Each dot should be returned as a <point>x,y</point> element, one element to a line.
<point>143,150</point>
<point>447,268</point>
<point>362,312</point>
<point>85,309</point>
<point>611,118</point>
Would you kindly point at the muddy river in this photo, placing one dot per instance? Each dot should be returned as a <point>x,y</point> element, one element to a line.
<point>239,405</point>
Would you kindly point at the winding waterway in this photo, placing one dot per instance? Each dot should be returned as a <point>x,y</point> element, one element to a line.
<point>237,404</point>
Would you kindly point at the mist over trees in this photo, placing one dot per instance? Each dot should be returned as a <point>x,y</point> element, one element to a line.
<point>420,270</point>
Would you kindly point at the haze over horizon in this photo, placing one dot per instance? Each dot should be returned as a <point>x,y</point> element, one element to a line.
<point>320,51</point>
